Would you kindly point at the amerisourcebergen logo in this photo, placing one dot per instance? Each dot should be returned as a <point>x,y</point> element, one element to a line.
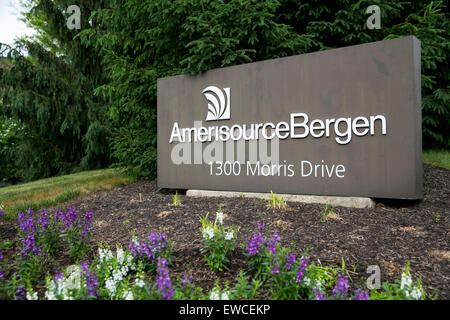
<point>298,125</point>
<point>218,103</point>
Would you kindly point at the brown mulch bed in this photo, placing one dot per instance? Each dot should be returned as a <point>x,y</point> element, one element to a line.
<point>389,235</point>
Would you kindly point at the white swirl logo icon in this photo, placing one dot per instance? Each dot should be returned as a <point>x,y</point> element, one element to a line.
<point>218,103</point>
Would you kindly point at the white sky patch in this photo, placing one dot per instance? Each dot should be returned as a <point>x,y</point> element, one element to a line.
<point>10,25</point>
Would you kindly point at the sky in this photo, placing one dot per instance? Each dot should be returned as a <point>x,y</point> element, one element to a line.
<point>10,25</point>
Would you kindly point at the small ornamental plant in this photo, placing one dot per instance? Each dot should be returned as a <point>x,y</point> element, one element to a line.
<point>176,199</point>
<point>163,283</point>
<point>402,289</point>
<point>42,233</point>
<point>326,212</point>
<point>218,241</point>
<point>113,270</point>
<point>259,250</point>
<point>186,290</point>
<point>340,291</point>
<point>33,256</point>
<point>49,232</point>
<point>141,271</point>
<point>219,294</point>
<point>276,203</point>
<point>246,288</point>
<point>77,282</point>
<point>285,274</point>
<point>148,251</point>
<point>3,275</point>
<point>77,231</point>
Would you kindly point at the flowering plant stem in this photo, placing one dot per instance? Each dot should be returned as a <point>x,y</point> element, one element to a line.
<point>218,242</point>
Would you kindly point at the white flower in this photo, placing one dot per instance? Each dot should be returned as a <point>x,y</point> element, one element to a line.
<point>229,235</point>
<point>105,254</point>
<point>128,295</point>
<point>219,217</point>
<point>416,293</point>
<point>120,255</point>
<point>319,285</point>
<point>306,281</point>
<point>406,281</point>
<point>130,261</point>
<point>110,285</point>
<point>208,233</point>
<point>139,282</point>
<point>214,295</point>
<point>32,295</point>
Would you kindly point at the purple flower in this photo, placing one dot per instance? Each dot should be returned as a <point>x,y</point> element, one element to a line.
<point>318,295</point>
<point>91,280</point>
<point>2,214</point>
<point>361,295</point>
<point>134,249</point>
<point>21,293</point>
<point>67,219</point>
<point>301,272</point>
<point>163,282</point>
<point>87,224</point>
<point>58,276</point>
<point>155,243</point>
<point>26,223</point>
<point>276,237</point>
<point>290,260</point>
<point>43,220</point>
<point>261,226</point>
<point>162,240</point>
<point>275,269</point>
<point>70,217</point>
<point>153,238</point>
<point>186,280</point>
<point>2,274</point>
<point>341,288</point>
<point>272,244</point>
<point>147,250</point>
<point>253,245</point>
<point>29,246</point>
<point>59,218</point>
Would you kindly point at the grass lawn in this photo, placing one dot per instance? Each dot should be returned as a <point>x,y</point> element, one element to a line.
<point>439,158</point>
<point>51,191</point>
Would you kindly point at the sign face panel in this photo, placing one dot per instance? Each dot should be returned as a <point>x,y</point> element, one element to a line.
<point>342,122</point>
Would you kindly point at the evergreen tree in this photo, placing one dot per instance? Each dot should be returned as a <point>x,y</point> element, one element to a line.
<point>48,90</point>
<point>342,23</point>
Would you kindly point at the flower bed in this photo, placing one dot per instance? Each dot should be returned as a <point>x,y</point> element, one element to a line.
<point>142,270</point>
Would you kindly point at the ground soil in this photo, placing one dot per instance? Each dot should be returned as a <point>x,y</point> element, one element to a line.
<point>389,235</point>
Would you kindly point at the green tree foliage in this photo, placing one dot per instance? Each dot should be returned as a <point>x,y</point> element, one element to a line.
<point>142,40</point>
<point>48,98</point>
<point>48,90</point>
<point>9,137</point>
<point>342,23</point>
<point>432,27</point>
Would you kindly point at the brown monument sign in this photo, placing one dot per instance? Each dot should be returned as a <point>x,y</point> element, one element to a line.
<point>342,122</point>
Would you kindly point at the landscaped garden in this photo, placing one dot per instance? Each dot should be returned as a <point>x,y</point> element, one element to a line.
<point>133,242</point>
<point>78,100</point>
